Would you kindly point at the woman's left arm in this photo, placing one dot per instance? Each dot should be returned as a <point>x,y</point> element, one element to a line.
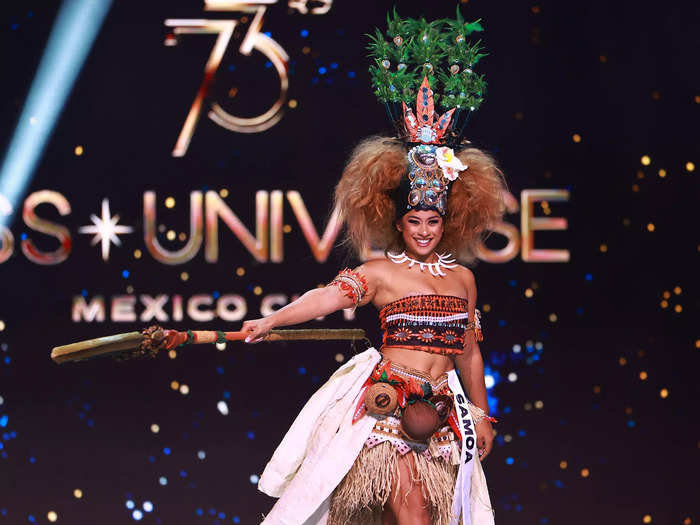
<point>471,367</point>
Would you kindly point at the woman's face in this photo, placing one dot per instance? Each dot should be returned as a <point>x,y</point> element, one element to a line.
<point>421,231</point>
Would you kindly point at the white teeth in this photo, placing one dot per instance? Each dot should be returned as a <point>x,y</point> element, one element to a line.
<point>422,243</point>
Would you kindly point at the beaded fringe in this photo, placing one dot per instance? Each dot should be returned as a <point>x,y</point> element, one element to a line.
<point>360,497</point>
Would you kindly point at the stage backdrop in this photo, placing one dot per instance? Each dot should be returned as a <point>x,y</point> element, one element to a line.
<point>188,182</point>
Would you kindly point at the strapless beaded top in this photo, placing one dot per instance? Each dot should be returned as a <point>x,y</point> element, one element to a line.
<point>431,323</point>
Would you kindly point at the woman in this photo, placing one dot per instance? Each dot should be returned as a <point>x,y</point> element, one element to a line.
<point>391,437</point>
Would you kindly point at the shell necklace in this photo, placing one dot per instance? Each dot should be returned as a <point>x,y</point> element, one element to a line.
<point>445,260</point>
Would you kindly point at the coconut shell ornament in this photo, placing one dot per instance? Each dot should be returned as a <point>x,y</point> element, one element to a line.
<point>419,421</point>
<point>381,399</point>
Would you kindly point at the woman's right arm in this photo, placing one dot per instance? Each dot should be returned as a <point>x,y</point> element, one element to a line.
<point>314,303</point>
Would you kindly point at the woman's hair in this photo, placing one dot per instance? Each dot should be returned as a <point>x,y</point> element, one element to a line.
<point>372,174</point>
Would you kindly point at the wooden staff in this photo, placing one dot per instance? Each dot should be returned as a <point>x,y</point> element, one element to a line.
<point>151,340</point>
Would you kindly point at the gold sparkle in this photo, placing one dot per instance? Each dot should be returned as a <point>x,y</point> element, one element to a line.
<point>643,375</point>
<point>651,227</point>
<point>528,406</point>
<point>170,202</point>
<point>78,493</point>
<point>640,174</point>
<point>257,290</point>
<point>697,343</point>
<point>184,276</point>
<point>585,472</point>
<point>223,192</point>
<point>306,50</point>
<point>182,236</point>
<point>576,138</point>
<point>622,361</point>
<point>539,405</point>
<point>553,317</point>
<point>240,271</point>
<point>155,428</point>
<point>78,151</point>
<point>662,173</point>
<point>174,385</point>
<point>603,59</point>
<point>529,292</point>
<point>646,160</point>
<point>2,325</point>
<point>535,9</point>
<point>677,290</point>
<point>232,92</point>
<point>563,464</point>
<point>184,390</point>
<point>52,516</point>
<point>664,393</point>
<point>486,308</point>
<point>170,235</point>
<point>604,248</point>
<point>687,521</point>
<point>667,294</point>
<point>137,253</point>
<point>664,303</point>
<point>678,308</point>
<point>339,358</point>
<point>635,188</point>
<point>596,389</point>
<point>646,518</point>
<point>628,411</point>
<point>286,228</point>
<point>689,166</point>
<point>293,103</point>
<point>172,354</point>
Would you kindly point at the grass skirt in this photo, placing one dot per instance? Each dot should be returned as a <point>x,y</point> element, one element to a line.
<point>360,497</point>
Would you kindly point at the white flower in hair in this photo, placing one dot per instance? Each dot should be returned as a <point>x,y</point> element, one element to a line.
<point>449,163</point>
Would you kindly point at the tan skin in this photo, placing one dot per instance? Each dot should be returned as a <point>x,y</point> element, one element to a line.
<point>387,281</point>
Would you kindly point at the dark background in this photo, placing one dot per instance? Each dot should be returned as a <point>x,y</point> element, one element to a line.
<point>621,74</point>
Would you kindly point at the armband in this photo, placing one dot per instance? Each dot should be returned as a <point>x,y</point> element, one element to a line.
<point>478,414</point>
<point>476,326</point>
<point>352,284</point>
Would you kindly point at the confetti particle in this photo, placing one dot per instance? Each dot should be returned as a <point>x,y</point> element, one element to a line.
<point>257,290</point>
<point>130,504</point>
<point>174,385</point>
<point>539,405</point>
<point>293,103</point>
<point>529,292</point>
<point>338,357</point>
<point>585,472</point>
<point>78,493</point>
<point>664,303</point>
<point>664,393</point>
<point>487,308</point>
<point>596,389</point>
<point>646,518</point>
<point>287,228</point>
<point>604,248</point>
<point>155,428</point>
<point>163,480</point>
<point>137,254</point>
<point>184,390</point>
<point>677,290</point>
<point>170,202</point>
<point>689,166</point>
<point>667,294</point>
<point>512,377</point>
<point>240,272</point>
<point>172,354</point>
<point>662,173</point>
<point>223,192</point>
<point>148,506</point>
<point>171,235</point>
<point>643,375</point>
<point>78,152</point>
<point>528,406</point>
<point>2,325</point>
<point>678,308</point>
<point>221,346</point>
<point>507,438</point>
<point>646,160</point>
<point>254,478</point>
<point>576,138</point>
<point>553,317</point>
<point>137,515</point>
<point>201,455</point>
<point>222,407</point>
<point>563,465</point>
<point>184,276</point>
<point>52,516</point>
<point>651,227</point>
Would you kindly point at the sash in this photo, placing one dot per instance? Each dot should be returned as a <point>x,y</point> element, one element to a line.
<point>460,499</point>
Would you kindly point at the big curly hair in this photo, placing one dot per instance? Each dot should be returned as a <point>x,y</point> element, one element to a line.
<point>372,174</point>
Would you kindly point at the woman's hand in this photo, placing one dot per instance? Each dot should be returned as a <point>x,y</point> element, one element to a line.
<point>257,328</point>
<point>484,438</point>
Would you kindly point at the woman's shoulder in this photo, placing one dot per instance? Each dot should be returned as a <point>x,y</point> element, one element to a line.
<point>466,275</point>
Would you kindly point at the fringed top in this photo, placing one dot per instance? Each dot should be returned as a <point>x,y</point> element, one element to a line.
<point>430,323</point>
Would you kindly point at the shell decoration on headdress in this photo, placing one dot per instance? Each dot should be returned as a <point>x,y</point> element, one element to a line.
<point>431,63</point>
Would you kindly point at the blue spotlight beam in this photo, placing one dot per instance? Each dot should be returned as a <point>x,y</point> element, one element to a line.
<point>74,31</point>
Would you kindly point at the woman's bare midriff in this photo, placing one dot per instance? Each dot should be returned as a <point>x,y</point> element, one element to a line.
<point>432,364</point>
